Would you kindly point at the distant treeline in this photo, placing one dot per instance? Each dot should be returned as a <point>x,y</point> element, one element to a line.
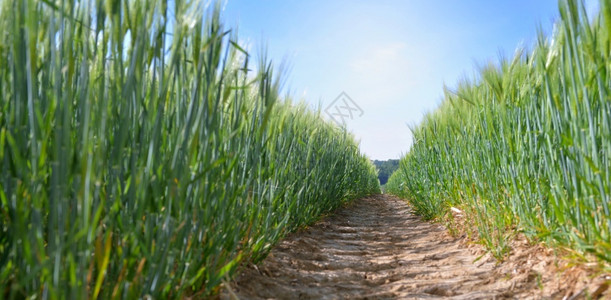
<point>386,168</point>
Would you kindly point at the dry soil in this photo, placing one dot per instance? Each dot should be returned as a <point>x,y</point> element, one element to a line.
<point>376,248</point>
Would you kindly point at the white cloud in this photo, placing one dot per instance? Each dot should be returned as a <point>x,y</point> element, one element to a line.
<point>381,59</point>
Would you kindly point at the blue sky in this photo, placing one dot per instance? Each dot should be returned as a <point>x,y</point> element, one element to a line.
<point>391,57</point>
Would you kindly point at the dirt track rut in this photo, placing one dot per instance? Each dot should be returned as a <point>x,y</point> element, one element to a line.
<point>375,248</point>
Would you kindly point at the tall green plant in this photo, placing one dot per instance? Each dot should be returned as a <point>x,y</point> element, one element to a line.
<point>525,147</point>
<point>141,156</point>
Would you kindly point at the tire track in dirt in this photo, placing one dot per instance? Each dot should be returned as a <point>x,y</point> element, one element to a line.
<point>374,249</point>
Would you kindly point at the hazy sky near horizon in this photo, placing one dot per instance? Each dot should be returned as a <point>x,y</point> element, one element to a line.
<point>391,57</point>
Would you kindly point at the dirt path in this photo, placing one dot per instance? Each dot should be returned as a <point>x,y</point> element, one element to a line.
<point>376,248</point>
